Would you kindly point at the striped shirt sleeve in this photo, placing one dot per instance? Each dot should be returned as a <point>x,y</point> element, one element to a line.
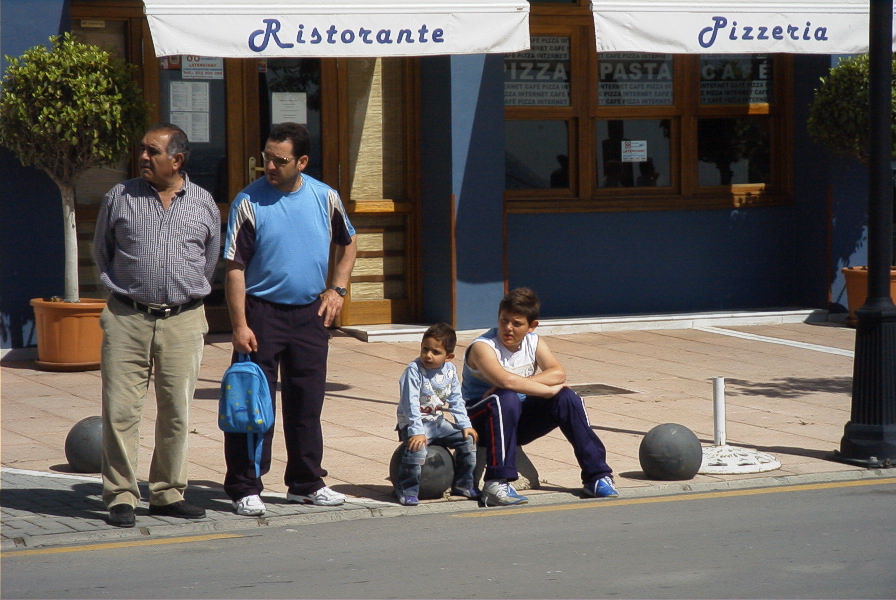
<point>240,231</point>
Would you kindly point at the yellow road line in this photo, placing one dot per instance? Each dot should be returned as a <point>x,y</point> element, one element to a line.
<point>608,503</point>
<point>130,544</point>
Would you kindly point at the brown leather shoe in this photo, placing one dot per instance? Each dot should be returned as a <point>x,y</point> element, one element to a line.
<point>180,509</point>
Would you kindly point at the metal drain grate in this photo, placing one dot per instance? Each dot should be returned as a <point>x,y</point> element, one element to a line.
<point>599,389</point>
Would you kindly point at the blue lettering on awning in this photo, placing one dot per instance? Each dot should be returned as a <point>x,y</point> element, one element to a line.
<point>260,38</point>
<point>707,36</point>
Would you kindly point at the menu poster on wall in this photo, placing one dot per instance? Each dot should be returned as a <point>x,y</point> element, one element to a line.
<point>289,107</point>
<point>189,108</point>
<point>735,79</point>
<point>189,96</point>
<point>538,76</point>
<point>634,79</point>
<point>194,124</point>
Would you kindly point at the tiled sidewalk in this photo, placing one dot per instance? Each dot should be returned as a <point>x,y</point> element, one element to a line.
<point>788,393</point>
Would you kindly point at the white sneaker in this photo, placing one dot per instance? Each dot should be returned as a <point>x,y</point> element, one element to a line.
<point>250,506</point>
<point>500,492</point>
<point>322,497</point>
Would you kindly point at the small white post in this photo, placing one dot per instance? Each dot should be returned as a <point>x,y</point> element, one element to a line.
<point>724,459</point>
<point>718,407</point>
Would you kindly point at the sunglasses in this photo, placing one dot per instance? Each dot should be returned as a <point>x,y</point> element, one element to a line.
<point>280,161</point>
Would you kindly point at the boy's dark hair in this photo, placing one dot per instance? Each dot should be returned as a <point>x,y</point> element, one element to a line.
<point>295,133</point>
<point>521,301</point>
<point>444,334</point>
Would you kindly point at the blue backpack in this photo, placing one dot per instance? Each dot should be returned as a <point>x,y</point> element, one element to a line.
<point>245,405</point>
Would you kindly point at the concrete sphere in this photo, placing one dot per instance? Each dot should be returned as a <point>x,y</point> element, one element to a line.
<point>84,445</point>
<point>670,452</point>
<point>437,474</point>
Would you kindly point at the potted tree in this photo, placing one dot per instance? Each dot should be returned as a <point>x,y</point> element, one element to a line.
<point>839,120</point>
<point>64,109</point>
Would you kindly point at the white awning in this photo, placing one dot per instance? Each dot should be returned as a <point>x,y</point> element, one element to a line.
<point>731,26</point>
<point>336,28</point>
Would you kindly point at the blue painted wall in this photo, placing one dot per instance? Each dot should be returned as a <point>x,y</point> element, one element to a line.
<point>436,186</point>
<point>31,253</point>
<point>462,155</point>
<point>581,264</point>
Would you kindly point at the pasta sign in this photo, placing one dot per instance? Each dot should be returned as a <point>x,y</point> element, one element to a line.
<point>634,79</point>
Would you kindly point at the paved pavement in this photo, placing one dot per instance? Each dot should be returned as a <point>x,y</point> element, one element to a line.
<point>788,379</point>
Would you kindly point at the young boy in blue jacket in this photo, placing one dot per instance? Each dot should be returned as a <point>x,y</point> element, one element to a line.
<point>429,386</point>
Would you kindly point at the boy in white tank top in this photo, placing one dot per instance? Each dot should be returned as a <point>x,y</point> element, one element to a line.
<point>515,390</point>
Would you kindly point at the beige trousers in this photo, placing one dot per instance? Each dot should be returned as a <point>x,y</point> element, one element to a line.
<point>136,347</point>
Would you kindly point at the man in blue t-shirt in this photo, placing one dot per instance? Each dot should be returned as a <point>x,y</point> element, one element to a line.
<point>279,235</point>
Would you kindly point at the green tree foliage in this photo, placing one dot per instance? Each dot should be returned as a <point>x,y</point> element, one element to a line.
<point>65,109</point>
<point>838,115</point>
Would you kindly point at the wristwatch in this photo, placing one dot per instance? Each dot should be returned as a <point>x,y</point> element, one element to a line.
<point>340,290</point>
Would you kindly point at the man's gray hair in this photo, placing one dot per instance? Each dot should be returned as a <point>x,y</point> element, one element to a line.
<point>178,143</point>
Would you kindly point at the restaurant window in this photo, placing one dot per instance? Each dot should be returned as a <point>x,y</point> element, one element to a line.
<point>640,131</point>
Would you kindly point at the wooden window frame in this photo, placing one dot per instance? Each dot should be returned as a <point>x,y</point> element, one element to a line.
<point>683,193</point>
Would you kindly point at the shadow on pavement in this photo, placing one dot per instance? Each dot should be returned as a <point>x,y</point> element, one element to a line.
<point>789,387</point>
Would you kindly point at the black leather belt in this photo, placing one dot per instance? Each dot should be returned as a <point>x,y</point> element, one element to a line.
<point>158,310</point>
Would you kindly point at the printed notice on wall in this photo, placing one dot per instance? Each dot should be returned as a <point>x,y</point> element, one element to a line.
<point>202,67</point>
<point>194,124</point>
<point>634,79</point>
<point>189,96</point>
<point>289,107</point>
<point>538,76</point>
<point>634,151</point>
<point>189,108</point>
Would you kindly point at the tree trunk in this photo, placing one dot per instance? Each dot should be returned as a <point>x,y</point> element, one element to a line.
<point>70,240</point>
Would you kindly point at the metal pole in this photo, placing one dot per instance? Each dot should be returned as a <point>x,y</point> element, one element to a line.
<point>869,437</point>
<point>718,410</point>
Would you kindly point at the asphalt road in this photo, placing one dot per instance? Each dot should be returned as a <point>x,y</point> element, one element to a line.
<point>832,540</point>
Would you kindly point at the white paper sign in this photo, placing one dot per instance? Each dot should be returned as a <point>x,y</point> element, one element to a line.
<point>194,124</point>
<point>189,96</point>
<point>289,107</point>
<point>202,67</point>
<point>634,151</point>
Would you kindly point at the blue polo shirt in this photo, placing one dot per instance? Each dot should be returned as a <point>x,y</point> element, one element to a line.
<point>283,240</point>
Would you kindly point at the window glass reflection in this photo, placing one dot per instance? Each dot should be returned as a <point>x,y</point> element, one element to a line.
<point>288,86</point>
<point>735,79</point>
<point>536,155</point>
<point>633,153</point>
<point>734,150</point>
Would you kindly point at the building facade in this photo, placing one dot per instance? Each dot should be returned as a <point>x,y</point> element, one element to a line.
<point>612,183</point>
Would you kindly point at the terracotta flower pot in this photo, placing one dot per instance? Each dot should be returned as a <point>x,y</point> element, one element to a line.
<point>69,337</point>
<point>857,289</point>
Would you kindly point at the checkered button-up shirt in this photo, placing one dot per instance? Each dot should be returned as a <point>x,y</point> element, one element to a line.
<point>153,255</point>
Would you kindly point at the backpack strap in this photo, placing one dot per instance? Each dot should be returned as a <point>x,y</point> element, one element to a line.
<point>255,442</point>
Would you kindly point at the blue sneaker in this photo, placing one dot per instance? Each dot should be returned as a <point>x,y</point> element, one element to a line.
<point>498,492</point>
<point>602,488</point>
<point>408,500</point>
<point>471,493</point>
